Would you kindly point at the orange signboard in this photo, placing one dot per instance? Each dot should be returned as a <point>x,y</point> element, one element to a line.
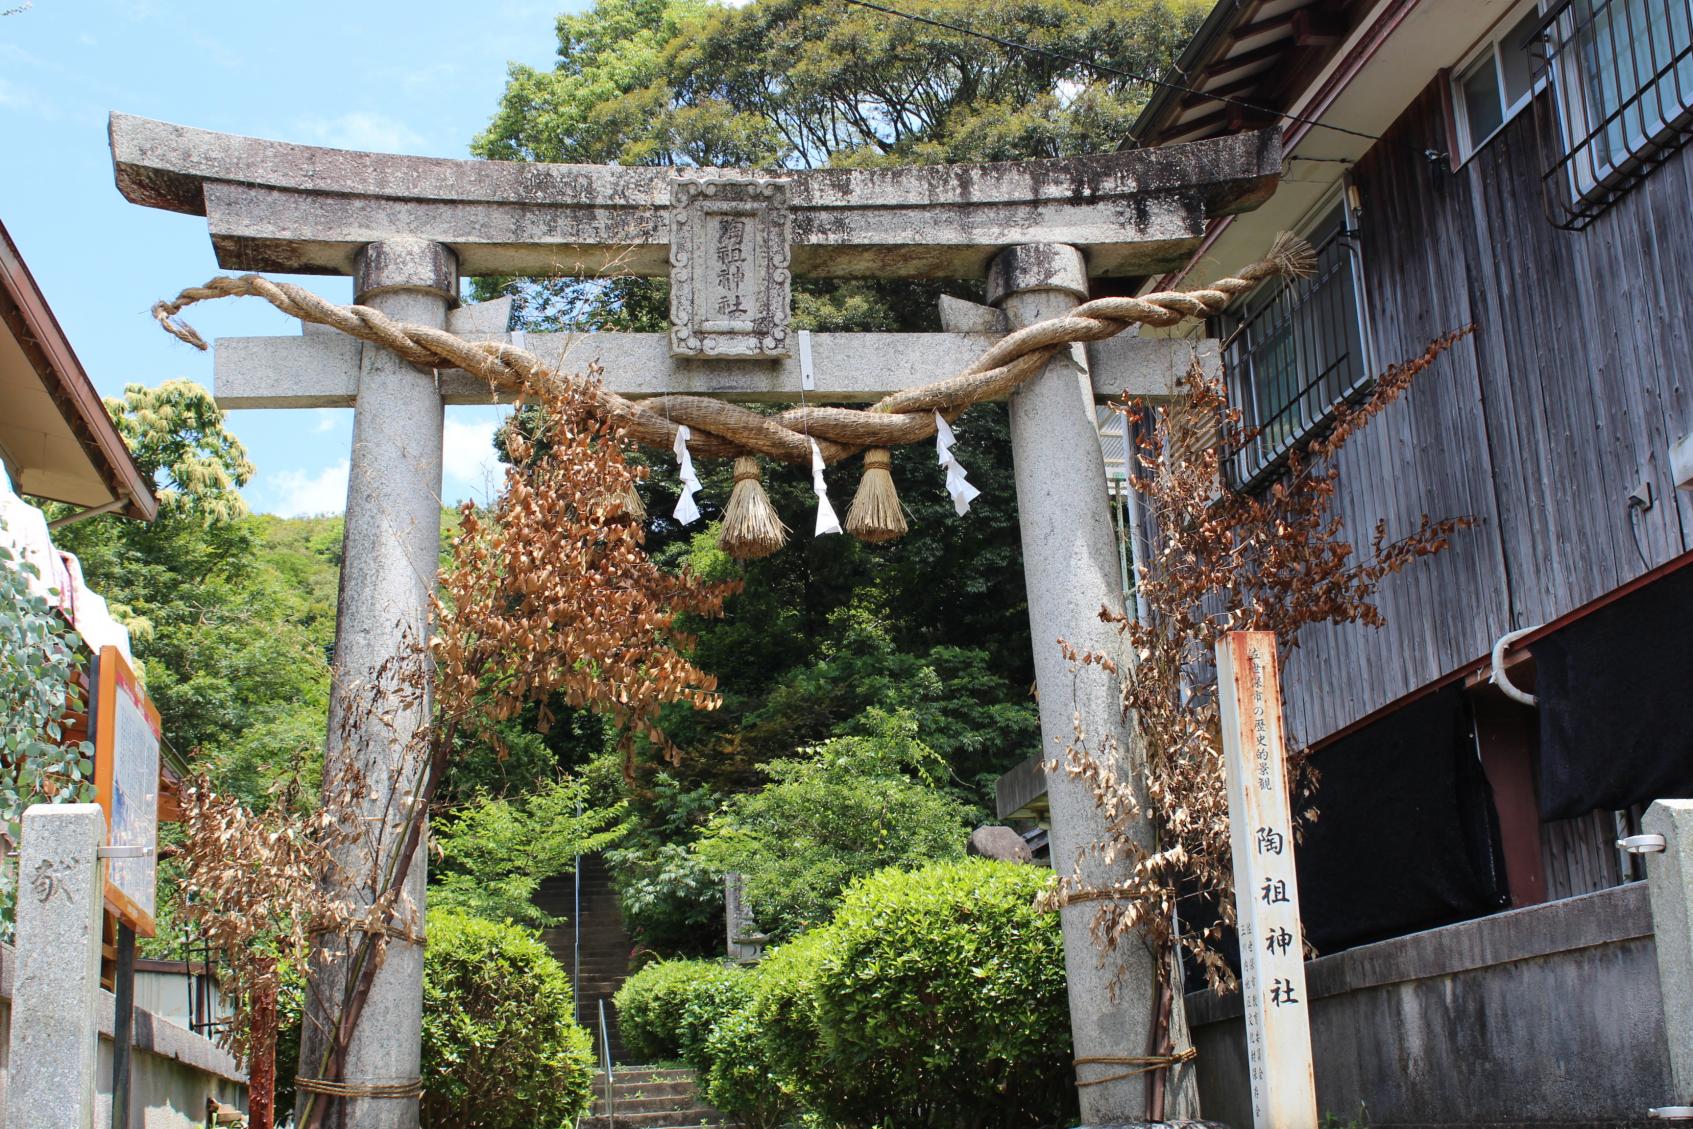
<point>127,736</point>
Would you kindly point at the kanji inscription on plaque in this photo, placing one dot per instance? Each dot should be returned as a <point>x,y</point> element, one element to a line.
<point>730,288</point>
<point>1272,952</point>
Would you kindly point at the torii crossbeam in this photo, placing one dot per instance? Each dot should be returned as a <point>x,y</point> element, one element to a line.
<point>406,228</point>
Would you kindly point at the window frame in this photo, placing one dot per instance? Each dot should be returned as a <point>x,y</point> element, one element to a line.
<point>1490,50</point>
<point>1255,471</point>
<point>1592,180</point>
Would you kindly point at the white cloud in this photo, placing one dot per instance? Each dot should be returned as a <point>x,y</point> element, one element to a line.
<point>302,493</point>
<point>363,129</point>
<point>467,457</point>
<point>325,419</point>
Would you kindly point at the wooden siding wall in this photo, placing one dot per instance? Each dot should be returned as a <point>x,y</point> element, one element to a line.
<point>1570,393</point>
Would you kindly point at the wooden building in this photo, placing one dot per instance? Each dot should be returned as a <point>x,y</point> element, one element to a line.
<point>1515,166</point>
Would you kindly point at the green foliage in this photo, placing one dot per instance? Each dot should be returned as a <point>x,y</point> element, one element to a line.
<point>835,813</point>
<point>765,1055</point>
<point>501,1048</point>
<point>941,995</point>
<point>176,434</point>
<point>737,1077</point>
<point>707,1000</point>
<point>40,658</point>
<point>495,852</point>
<point>786,83</point>
<point>651,1004</point>
<point>232,615</point>
<point>671,900</point>
<point>934,998</point>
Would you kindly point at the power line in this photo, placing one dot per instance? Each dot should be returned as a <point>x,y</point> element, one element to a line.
<point>1077,61</point>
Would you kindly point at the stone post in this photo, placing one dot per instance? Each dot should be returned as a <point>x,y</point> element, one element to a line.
<point>55,1028</point>
<point>1070,567</point>
<point>1669,877</point>
<point>391,550</point>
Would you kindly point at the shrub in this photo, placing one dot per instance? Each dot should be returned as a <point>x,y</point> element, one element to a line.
<point>940,1000</point>
<point>740,1078</point>
<point>501,1049</point>
<point>708,1000</point>
<point>651,1006</point>
<point>768,1058</point>
<point>834,813</point>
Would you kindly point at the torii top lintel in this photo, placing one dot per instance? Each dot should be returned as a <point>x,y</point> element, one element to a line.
<point>274,206</point>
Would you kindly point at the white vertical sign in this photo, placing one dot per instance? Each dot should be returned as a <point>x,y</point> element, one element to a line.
<point>1266,891</point>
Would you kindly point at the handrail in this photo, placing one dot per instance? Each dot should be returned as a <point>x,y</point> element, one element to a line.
<point>576,932</point>
<point>605,1058</point>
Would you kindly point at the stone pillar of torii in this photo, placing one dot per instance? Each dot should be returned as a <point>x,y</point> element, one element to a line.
<point>407,228</point>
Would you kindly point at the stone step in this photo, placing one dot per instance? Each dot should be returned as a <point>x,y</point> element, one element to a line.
<point>658,1091</point>
<point>641,1101</point>
<point>640,1073</point>
<point>658,1119</point>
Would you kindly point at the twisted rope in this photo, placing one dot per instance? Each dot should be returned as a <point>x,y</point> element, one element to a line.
<point>724,430</point>
<point>394,1091</point>
<point>1137,1064</point>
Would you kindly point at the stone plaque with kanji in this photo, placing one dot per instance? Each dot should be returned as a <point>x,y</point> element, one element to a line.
<point>729,280</point>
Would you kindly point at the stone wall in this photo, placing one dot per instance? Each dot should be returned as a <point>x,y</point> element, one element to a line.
<point>174,1071</point>
<point>1549,1015</point>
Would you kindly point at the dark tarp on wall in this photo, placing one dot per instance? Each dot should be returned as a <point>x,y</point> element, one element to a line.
<point>1615,692</point>
<point>1406,837</point>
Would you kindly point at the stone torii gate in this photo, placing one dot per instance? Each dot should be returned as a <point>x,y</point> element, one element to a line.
<point>407,228</point>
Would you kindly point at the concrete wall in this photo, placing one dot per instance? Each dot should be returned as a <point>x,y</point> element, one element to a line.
<point>174,1071</point>
<point>1549,1015</point>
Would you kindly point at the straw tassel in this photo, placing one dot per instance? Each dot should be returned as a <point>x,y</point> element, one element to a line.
<point>876,515</point>
<point>1293,256</point>
<point>751,528</point>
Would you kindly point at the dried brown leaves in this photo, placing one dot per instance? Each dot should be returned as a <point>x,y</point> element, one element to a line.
<point>549,597</point>
<point>553,593</point>
<point>1276,560</point>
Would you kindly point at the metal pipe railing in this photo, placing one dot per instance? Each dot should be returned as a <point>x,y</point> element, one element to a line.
<point>605,1059</point>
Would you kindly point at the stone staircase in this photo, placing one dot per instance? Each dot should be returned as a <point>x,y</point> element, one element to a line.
<point>605,945</point>
<point>650,1098</point>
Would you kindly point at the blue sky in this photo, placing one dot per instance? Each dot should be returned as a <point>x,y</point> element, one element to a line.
<point>420,77</point>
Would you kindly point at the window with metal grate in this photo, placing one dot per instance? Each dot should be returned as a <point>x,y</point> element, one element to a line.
<point>1294,352</point>
<point>1622,72</point>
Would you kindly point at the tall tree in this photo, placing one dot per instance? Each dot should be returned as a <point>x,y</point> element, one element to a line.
<point>806,83</point>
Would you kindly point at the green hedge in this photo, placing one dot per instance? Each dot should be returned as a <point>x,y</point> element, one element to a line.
<point>934,998</point>
<point>652,1006</point>
<point>738,1075</point>
<point>941,997</point>
<point>501,1047</point>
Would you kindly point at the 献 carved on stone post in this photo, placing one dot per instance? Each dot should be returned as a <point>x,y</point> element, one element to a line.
<point>56,986</point>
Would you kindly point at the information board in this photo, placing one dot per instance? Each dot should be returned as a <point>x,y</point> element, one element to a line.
<point>127,735</point>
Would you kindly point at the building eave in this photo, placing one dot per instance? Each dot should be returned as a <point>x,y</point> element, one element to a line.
<point>100,451</point>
